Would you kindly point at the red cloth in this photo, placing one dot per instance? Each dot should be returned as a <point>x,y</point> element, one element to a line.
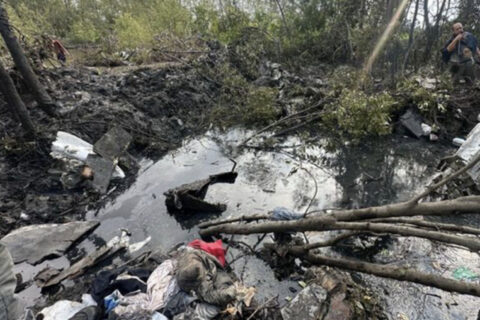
<point>214,248</point>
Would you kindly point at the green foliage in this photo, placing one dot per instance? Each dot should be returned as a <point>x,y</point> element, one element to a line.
<point>240,102</point>
<point>347,77</point>
<point>247,52</point>
<point>131,32</point>
<point>430,95</point>
<point>84,32</point>
<point>141,27</point>
<point>361,115</point>
<point>260,106</point>
<point>231,25</point>
<point>27,21</point>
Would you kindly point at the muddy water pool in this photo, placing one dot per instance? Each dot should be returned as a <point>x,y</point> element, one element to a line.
<point>298,176</point>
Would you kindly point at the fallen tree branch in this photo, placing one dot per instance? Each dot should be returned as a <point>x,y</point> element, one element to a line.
<point>261,307</point>
<point>240,219</point>
<point>467,242</point>
<point>442,182</point>
<point>282,120</point>
<point>397,273</point>
<point>330,242</point>
<point>431,224</point>
<point>300,125</point>
<point>469,204</point>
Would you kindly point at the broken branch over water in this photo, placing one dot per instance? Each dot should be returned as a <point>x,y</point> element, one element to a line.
<point>469,204</point>
<point>397,273</point>
<point>380,219</point>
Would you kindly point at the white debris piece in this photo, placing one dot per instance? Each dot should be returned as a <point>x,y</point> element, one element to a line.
<point>67,145</point>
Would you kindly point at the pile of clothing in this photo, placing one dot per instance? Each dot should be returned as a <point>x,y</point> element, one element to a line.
<point>192,284</point>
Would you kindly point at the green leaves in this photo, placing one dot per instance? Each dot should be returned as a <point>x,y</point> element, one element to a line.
<point>361,115</point>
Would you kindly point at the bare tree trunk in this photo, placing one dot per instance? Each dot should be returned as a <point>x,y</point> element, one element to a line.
<point>279,5</point>
<point>426,18</point>
<point>363,13</point>
<point>410,36</point>
<point>432,31</point>
<point>14,102</point>
<point>384,37</point>
<point>21,62</point>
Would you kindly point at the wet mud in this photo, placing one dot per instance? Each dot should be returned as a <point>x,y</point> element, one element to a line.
<point>165,110</point>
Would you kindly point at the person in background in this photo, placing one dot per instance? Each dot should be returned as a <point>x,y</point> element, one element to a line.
<point>60,51</point>
<point>459,52</point>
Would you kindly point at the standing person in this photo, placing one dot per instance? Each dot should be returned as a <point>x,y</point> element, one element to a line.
<point>459,51</point>
<point>59,50</point>
<point>9,309</point>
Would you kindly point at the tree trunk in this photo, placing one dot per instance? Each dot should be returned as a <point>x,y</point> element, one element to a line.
<point>14,102</point>
<point>394,21</point>
<point>426,12</point>
<point>432,31</point>
<point>410,36</point>
<point>284,20</point>
<point>21,62</point>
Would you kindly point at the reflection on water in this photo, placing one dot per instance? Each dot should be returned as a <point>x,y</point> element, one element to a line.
<point>374,173</point>
<point>378,172</point>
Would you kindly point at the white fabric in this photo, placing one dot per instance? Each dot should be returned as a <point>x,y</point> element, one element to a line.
<point>64,309</point>
<point>162,285</point>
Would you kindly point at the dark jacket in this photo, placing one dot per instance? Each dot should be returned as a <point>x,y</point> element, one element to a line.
<point>469,41</point>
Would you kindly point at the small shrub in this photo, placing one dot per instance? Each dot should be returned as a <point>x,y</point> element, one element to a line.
<point>428,97</point>
<point>361,115</point>
<point>260,106</point>
<point>239,102</point>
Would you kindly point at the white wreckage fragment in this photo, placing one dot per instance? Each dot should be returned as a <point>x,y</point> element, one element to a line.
<point>68,146</point>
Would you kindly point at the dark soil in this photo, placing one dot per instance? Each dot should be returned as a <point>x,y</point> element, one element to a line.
<point>158,107</point>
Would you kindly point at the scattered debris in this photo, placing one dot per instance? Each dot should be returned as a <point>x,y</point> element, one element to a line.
<point>102,172</point>
<point>188,198</point>
<point>413,122</point>
<point>427,83</point>
<point>469,182</point>
<point>458,142</point>
<point>470,146</point>
<point>38,242</point>
<point>433,137</point>
<point>113,246</point>
<point>69,148</point>
<point>67,145</point>
<point>190,283</point>
<point>309,304</point>
<point>113,144</point>
<point>426,129</point>
<point>65,310</point>
<point>284,214</point>
<point>464,273</point>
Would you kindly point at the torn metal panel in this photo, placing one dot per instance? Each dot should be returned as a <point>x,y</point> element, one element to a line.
<point>113,143</point>
<point>189,197</point>
<point>38,242</point>
<point>413,122</point>
<point>102,172</point>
